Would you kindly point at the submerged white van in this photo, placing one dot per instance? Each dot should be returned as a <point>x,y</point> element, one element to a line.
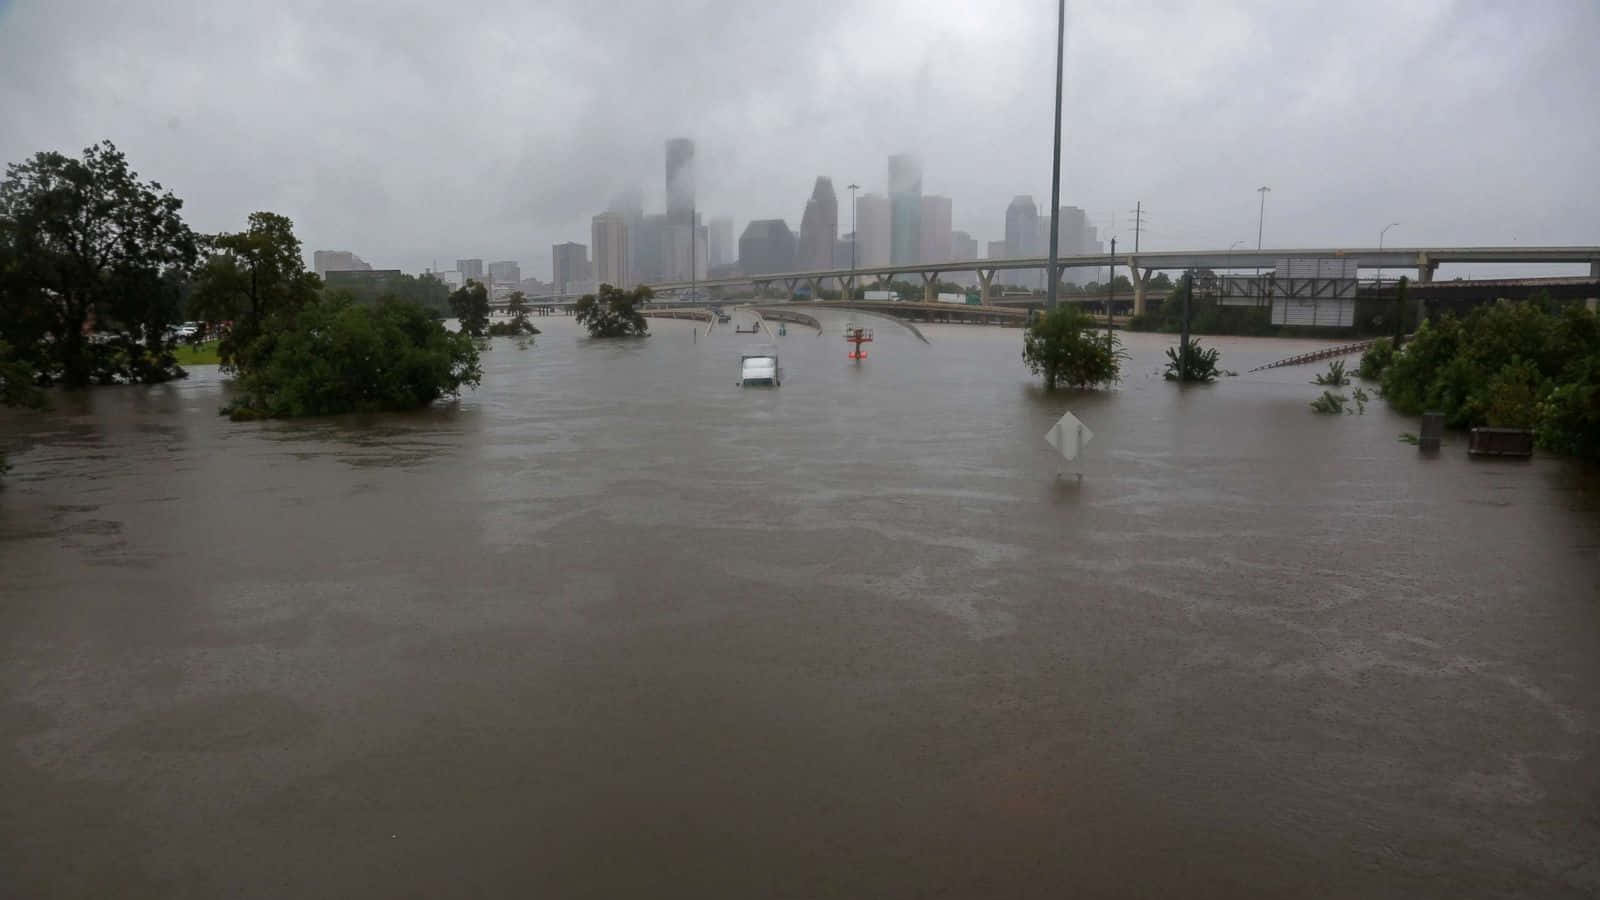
<point>759,368</point>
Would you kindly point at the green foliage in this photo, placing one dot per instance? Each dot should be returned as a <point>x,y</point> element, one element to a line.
<point>1197,364</point>
<point>1376,359</point>
<point>336,357</point>
<point>1334,404</point>
<point>86,248</point>
<point>251,277</point>
<point>1334,377</point>
<point>1513,365</point>
<point>1065,347</point>
<point>517,305</point>
<point>614,313</point>
<point>470,305</point>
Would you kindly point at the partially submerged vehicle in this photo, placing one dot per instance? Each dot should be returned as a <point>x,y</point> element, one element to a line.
<point>759,368</point>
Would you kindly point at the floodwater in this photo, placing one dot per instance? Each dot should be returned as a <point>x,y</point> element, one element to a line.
<point>611,626</point>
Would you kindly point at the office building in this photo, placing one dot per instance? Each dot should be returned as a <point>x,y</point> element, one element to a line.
<point>450,279</point>
<point>680,180</point>
<point>766,246</point>
<point>819,227</point>
<point>648,246</point>
<point>873,229</point>
<point>996,250</point>
<point>470,268</point>
<point>935,228</point>
<point>719,240</point>
<point>569,265</point>
<point>905,209</point>
<point>683,239</point>
<point>325,261</point>
<point>963,246</point>
<point>1022,239</point>
<point>609,237</point>
<point>505,272</point>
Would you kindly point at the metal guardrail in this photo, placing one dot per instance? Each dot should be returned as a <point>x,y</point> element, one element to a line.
<point>1319,355</point>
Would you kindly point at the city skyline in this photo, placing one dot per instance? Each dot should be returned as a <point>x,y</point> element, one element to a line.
<point>1490,148</point>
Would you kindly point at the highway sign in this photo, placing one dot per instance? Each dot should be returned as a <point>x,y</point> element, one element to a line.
<point>1068,436</point>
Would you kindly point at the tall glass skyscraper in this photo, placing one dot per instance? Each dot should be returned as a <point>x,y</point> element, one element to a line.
<point>905,209</point>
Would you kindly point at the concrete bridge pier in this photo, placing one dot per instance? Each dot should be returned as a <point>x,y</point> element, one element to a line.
<point>847,288</point>
<point>816,287</point>
<point>1138,282</point>
<point>930,287</point>
<point>790,284</point>
<point>985,279</point>
<point>1425,269</point>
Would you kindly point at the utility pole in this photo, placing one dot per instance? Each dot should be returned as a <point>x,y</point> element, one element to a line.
<point>852,241</point>
<point>1380,250</point>
<point>1261,218</point>
<point>1183,342</point>
<point>694,228</point>
<point>1138,223</point>
<point>1111,286</point>
<point>1055,158</point>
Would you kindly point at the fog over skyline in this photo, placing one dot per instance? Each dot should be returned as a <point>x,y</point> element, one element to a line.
<point>411,132</point>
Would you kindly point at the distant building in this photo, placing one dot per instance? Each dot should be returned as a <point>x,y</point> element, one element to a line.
<point>569,263</point>
<point>905,209</point>
<point>1022,239</point>
<point>766,246</point>
<point>648,246</point>
<point>935,228</point>
<point>719,241</point>
<point>325,261</point>
<point>819,227</point>
<point>609,233</point>
<point>452,279</point>
<point>873,230</point>
<point>680,180</point>
<point>504,272</point>
<point>841,252</point>
<point>963,246</point>
<point>996,250</point>
<point>471,268</point>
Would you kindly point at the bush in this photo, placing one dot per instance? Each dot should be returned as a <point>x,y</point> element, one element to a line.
<point>1194,363</point>
<point>1513,365</point>
<point>335,357</point>
<point>515,328</point>
<point>1376,359</point>
<point>1334,377</point>
<point>1065,347</point>
<point>614,312</point>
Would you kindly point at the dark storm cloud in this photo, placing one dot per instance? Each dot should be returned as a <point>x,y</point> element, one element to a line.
<point>409,131</point>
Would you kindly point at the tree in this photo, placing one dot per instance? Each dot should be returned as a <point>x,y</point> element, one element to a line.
<point>16,387</point>
<point>613,312</point>
<point>336,357</point>
<point>86,247</point>
<point>517,305</point>
<point>251,277</point>
<point>470,303</point>
<point>1065,347</point>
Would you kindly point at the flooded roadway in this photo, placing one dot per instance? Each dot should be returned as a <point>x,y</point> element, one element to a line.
<point>611,626</point>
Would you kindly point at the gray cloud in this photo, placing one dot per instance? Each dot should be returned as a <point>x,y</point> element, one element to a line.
<point>413,131</point>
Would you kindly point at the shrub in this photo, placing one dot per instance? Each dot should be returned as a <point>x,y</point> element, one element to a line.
<point>1334,377</point>
<point>1376,359</point>
<point>335,357</point>
<point>1064,346</point>
<point>1194,363</point>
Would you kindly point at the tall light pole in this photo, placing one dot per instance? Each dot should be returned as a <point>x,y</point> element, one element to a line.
<point>1055,158</point>
<point>1380,250</point>
<point>852,241</point>
<point>1261,216</point>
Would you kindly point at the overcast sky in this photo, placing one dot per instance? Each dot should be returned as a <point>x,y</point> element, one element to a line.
<point>415,130</point>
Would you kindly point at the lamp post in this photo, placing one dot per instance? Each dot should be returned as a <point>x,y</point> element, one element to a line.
<point>1261,218</point>
<point>1230,254</point>
<point>1055,158</point>
<point>852,241</point>
<point>1380,250</point>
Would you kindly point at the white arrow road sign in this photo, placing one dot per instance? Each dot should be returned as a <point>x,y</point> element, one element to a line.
<point>1069,436</point>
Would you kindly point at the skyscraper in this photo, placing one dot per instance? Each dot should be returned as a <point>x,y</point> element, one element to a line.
<point>766,246</point>
<point>819,227</point>
<point>963,245</point>
<point>470,268</point>
<point>873,230</point>
<point>681,217</point>
<point>1072,234</point>
<point>569,265</point>
<point>1022,238</point>
<point>505,272</point>
<point>720,240</point>
<point>935,226</point>
<point>905,209</point>
<point>648,244</point>
<point>609,237</point>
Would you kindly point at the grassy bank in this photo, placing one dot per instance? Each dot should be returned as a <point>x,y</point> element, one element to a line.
<point>197,354</point>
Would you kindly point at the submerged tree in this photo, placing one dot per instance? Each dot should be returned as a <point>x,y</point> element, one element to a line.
<point>614,312</point>
<point>87,248</point>
<point>251,277</point>
<point>1065,347</point>
<point>470,304</point>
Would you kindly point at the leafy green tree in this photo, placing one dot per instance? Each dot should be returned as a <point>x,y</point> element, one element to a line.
<point>86,247</point>
<point>517,305</point>
<point>614,312</point>
<point>16,387</point>
<point>250,278</point>
<point>470,304</point>
<point>337,357</point>
<point>1376,359</point>
<point>1065,347</point>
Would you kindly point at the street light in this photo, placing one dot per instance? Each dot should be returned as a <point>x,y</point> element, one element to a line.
<point>852,241</point>
<point>1055,158</point>
<point>1380,250</point>
<point>1261,218</point>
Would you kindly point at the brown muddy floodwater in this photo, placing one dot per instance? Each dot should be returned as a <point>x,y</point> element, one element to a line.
<point>611,626</point>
